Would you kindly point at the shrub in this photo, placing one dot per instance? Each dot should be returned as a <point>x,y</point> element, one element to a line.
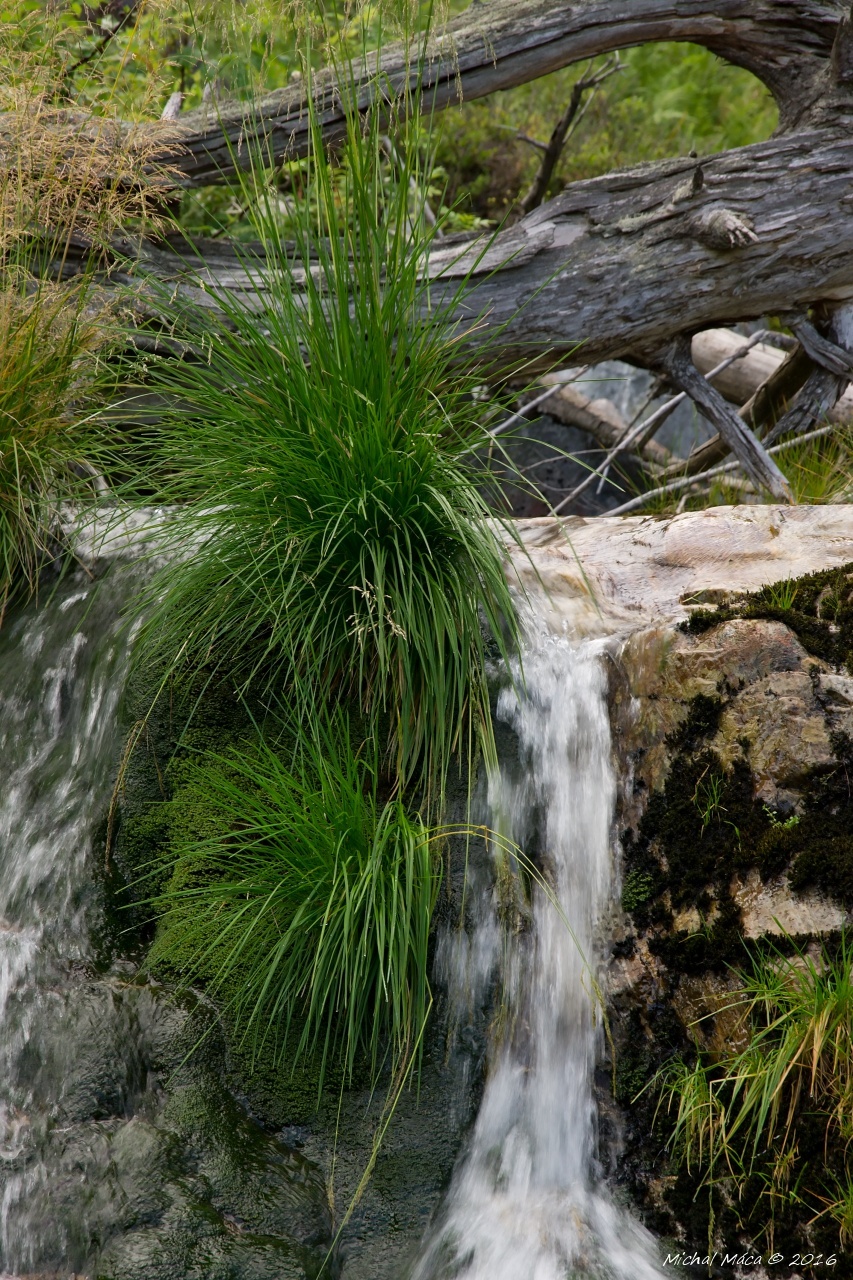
<point>335,542</point>
<point>305,903</point>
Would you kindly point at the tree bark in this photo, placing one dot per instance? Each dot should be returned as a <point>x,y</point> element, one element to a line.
<point>786,43</point>
<point>617,266</point>
<point>629,264</point>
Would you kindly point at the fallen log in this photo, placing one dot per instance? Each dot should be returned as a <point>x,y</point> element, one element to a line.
<point>624,265</point>
<point>506,43</point>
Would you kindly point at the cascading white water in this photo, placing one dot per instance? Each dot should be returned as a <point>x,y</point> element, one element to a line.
<point>525,1202</point>
<point>61,675</point>
<point>76,1092</point>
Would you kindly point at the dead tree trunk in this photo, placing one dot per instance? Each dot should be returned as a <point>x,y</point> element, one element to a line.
<point>630,263</point>
<point>622,264</point>
<point>618,266</point>
<point>786,43</point>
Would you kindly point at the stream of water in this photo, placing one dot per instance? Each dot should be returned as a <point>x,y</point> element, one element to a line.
<point>61,675</point>
<point>527,1202</point>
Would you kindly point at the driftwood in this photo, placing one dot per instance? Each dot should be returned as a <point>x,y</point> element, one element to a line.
<point>759,466</point>
<point>786,43</point>
<point>621,264</point>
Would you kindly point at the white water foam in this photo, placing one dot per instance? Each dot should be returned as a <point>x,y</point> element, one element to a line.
<point>61,675</point>
<point>525,1202</point>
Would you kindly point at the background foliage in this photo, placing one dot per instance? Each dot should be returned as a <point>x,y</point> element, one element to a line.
<point>126,57</point>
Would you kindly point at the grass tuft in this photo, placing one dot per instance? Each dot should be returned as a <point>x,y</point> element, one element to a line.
<point>752,1106</point>
<point>336,544</point>
<point>49,377</point>
<point>306,907</point>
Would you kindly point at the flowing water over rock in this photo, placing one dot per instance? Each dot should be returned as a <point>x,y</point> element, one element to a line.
<point>61,675</point>
<point>526,1200</point>
<point>120,1162</point>
<point>109,1168</point>
<point>113,1164</point>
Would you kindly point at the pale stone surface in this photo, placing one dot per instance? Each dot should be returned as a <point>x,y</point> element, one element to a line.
<point>621,572</point>
<point>773,908</point>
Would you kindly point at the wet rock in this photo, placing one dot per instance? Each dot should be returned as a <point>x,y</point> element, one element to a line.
<point>735,741</point>
<point>774,908</point>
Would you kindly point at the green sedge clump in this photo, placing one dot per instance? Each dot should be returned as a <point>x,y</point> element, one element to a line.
<point>305,905</point>
<point>749,1118</point>
<point>324,441</point>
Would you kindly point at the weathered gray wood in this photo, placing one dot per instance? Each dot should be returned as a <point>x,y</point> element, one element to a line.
<point>763,406</point>
<point>786,43</point>
<point>756,462</point>
<point>612,268</point>
<point>823,388</point>
<point>601,419</point>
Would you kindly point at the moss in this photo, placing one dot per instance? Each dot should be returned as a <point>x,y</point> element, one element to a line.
<point>695,834</point>
<point>818,608</point>
<point>700,830</point>
<point>703,717</point>
<point>637,889</point>
<point>823,839</point>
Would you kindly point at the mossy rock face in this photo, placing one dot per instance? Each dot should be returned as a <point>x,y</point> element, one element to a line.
<point>736,736</point>
<point>818,608</point>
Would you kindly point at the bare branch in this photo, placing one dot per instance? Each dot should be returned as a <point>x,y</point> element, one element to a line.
<point>640,435</point>
<point>727,468</point>
<point>566,125</point>
<point>758,465</point>
<point>600,419</point>
<point>765,405</point>
<point>823,388</point>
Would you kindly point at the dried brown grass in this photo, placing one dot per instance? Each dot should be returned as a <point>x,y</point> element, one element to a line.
<point>68,174</point>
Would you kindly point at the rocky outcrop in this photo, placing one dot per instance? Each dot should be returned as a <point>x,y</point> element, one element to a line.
<point>732,711</point>
<point>732,714</point>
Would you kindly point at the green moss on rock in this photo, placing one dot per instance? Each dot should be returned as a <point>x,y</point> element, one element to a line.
<point>700,836</point>
<point>818,608</point>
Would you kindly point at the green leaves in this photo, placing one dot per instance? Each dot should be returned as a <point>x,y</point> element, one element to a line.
<point>335,544</point>
<point>308,911</point>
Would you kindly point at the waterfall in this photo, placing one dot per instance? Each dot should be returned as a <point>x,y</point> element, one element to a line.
<point>525,1202</point>
<point>62,667</point>
<point>77,1094</point>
